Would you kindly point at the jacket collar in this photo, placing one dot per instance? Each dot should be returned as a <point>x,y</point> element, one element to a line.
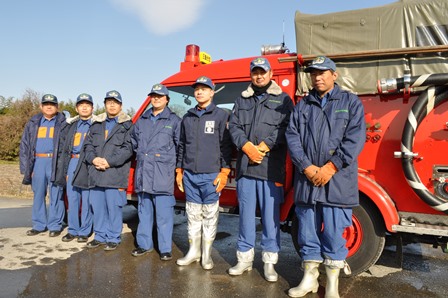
<point>76,118</point>
<point>274,89</point>
<point>60,117</point>
<point>122,117</point>
<point>336,94</point>
<point>164,114</point>
<point>210,108</point>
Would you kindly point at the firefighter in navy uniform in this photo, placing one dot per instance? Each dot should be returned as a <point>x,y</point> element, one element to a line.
<point>38,158</point>
<point>108,150</point>
<point>70,157</point>
<point>154,139</point>
<point>325,136</point>
<point>257,126</point>
<point>203,165</point>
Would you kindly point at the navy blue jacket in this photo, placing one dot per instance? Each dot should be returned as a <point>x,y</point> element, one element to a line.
<point>155,144</point>
<point>65,150</point>
<point>116,149</point>
<point>28,146</point>
<point>205,145</point>
<point>261,120</point>
<point>336,133</point>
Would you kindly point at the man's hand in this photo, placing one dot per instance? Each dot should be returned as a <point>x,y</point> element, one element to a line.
<point>221,179</point>
<point>105,164</point>
<point>180,178</point>
<point>324,174</point>
<point>263,148</point>
<point>310,172</point>
<point>100,163</point>
<point>96,161</point>
<point>252,152</point>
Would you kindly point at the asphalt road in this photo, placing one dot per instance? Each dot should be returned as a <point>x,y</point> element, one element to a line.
<point>41,266</point>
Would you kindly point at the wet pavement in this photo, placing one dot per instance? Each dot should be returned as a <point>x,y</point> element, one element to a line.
<point>41,266</point>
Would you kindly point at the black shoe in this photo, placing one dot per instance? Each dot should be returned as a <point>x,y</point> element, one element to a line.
<point>111,246</point>
<point>69,237</point>
<point>140,252</point>
<point>82,239</point>
<point>33,232</point>
<point>94,243</point>
<point>55,233</point>
<point>166,256</point>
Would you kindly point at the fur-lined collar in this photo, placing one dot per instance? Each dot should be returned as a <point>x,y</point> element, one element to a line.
<point>76,118</point>
<point>274,89</point>
<point>122,117</point>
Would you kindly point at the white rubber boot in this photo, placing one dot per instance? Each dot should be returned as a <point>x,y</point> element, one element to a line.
<point>245,260</point>
<point>332,288</point>
<point>309,281</point>
<point>207,261</point>
<point>210,213</point>
<point>269,260</point>
<point>194,215</point>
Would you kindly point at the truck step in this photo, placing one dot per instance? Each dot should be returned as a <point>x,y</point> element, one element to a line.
<point>419,228</point>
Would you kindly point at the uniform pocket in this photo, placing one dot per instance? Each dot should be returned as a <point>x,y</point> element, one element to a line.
<point>165,141</point>
<point>338,127</point>
<point>341,120</point>
<point>246,112</point>
<point>118,139</point>
<point>343,188</point>
<point>164,173</point>
<point>272,113</point>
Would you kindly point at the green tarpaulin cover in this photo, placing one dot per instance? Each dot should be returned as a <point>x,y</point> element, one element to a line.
<point>403,24</point>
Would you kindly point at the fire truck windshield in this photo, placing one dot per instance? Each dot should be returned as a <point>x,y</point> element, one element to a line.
<point>182,97</point>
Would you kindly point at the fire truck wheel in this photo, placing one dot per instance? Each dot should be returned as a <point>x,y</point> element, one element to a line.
<point>365,238</point>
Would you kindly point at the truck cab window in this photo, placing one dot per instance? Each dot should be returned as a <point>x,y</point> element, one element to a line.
<point>182,97</point>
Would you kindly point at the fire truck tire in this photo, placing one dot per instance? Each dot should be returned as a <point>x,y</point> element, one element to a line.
<point>365,238</point>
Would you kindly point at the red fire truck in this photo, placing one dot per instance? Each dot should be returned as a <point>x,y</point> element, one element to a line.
<point>395,57</point>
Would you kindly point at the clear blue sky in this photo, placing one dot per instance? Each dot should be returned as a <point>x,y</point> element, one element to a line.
<point>69,47</point>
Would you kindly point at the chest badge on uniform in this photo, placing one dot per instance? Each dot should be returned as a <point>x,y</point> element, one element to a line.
<point>209,127</point>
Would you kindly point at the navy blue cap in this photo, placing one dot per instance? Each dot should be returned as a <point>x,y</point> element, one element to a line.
<point>321,63</point>
<point>160,89</point>
<point>49,98</point>
<point>204,81</point>
<point>84,97</point>
<point>260,62</point>
<point>113,95</point>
